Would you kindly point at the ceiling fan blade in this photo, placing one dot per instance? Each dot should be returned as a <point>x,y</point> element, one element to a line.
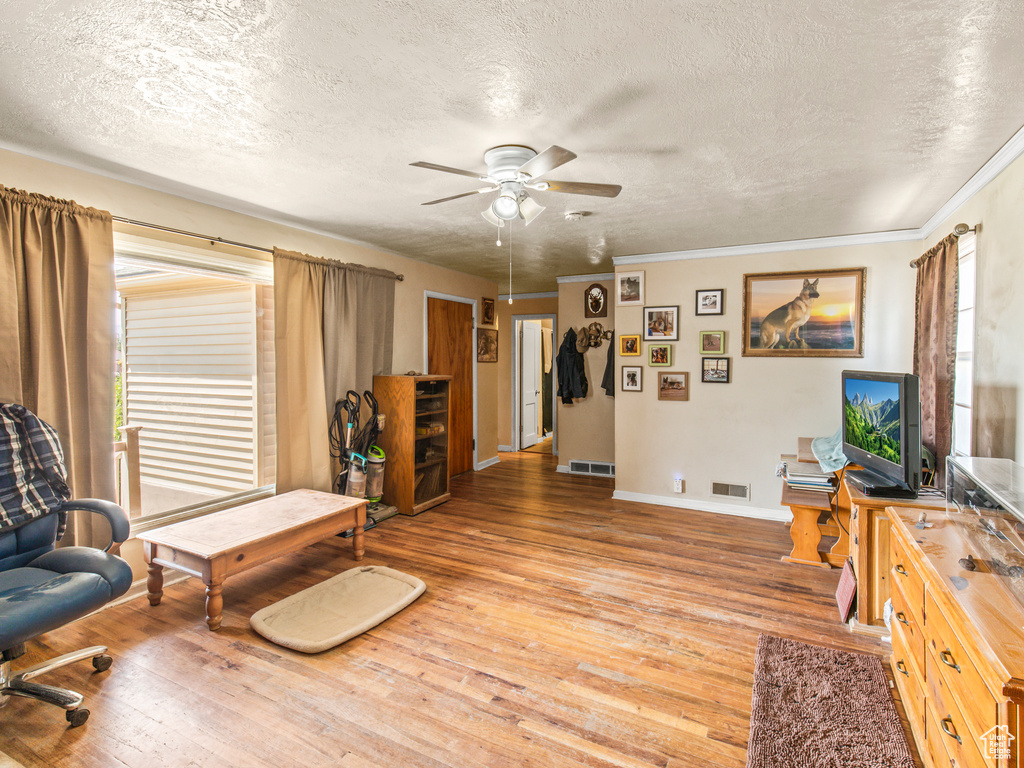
<point>446,169</point>
<point>581,188</point>
<point>529,209</point>
<point>464,194</point>
<point>548,160</point>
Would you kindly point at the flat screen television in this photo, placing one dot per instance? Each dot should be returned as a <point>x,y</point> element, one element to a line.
<point>882,432</point>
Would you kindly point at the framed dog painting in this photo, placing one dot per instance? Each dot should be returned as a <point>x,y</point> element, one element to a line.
<point>815,313</point>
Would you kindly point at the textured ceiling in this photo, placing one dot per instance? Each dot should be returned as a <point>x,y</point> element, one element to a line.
<point>726,122</point>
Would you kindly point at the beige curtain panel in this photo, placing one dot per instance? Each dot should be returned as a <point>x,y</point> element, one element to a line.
<point>935,346</point>
<point>57,331</point>
<point>334,330</point>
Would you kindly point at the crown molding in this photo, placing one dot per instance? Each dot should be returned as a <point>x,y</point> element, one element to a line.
<point>585,278</point>
<point>998,163</point>
<point>542,295</point>
<point>840,241</point>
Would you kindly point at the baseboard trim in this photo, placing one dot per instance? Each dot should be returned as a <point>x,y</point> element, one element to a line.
<point>487,463</point>
<point>563,468</point>
<point>758,513</point>
<point>505,448</point>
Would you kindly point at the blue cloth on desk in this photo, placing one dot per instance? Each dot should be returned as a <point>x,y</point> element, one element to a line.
<point>829,451</point>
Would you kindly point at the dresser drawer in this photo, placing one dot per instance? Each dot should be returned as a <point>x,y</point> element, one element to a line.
<point>944,750</point>
<point>906,616</point>
<point>960,676</point>
<point>906,574</point>
<point>950,726</point>
<point>909,681</point>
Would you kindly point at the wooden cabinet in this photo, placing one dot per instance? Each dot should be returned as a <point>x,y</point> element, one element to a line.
<point>869,549</point>
<point>957,642</point>
<point>415,440</point>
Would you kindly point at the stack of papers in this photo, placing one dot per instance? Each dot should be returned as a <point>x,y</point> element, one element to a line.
<point>807,475</point>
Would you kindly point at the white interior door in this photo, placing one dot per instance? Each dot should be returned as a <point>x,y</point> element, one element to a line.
<point>529,382</point>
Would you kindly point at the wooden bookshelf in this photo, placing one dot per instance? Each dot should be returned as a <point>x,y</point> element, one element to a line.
<point>415,440</point>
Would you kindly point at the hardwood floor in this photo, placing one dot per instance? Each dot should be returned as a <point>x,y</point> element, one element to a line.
<point>559,628</point>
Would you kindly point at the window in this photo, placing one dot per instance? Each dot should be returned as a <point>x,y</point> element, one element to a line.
<point>963,390</point>
<point>196,374</point>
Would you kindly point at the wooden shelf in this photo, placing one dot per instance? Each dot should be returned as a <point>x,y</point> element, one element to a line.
<point>414,486</point>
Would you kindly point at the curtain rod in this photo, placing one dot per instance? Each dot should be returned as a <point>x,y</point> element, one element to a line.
<point>958,231</point>
<point>198,236</point>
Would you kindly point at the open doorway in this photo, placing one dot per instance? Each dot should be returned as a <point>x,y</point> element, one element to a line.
<point>534,415</point>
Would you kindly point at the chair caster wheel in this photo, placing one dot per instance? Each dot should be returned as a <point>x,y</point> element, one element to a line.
<point>77,717</point>
<point>101,663</point>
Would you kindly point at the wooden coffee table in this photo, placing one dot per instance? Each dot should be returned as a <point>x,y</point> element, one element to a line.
<point>222,544</point>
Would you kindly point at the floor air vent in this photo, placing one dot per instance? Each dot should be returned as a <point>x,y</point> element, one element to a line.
<point>730,490</point>
<point>602,468</point>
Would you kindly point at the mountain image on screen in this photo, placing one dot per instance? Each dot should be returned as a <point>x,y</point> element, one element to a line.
<point>874,426</point>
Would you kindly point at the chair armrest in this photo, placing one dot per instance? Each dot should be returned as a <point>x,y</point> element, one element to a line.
<point>118,519</point>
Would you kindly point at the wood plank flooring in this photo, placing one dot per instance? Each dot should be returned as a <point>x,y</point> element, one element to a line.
<point>559,628</point>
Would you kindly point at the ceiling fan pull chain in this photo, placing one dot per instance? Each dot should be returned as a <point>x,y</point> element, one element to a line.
<point>510,262</point>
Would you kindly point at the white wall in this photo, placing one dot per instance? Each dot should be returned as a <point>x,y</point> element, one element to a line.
<point>734,433</point>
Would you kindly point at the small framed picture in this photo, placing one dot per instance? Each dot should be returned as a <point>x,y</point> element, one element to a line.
<point>715,370</point>
<point>659,354</point>
<point>487,313</point>
<point>661,323</point>
<point>631,288</point>
<point>632,378</point>
<point>712,342</point>
<point>711,302</point>
<point>673,385</point>
<point>629,346</point>
<point>486,345</point>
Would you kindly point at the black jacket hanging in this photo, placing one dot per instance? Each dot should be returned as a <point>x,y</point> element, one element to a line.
<point>572,379</point>
<point>608,382</point>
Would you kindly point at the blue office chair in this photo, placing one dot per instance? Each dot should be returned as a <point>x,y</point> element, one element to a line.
<point>43,587</point>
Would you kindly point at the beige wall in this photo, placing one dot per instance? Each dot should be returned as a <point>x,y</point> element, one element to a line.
<point>998,213</point>
<point>142,204</point>
<point>506,338</point>
<point>734,433</point>
<point>586,429</point>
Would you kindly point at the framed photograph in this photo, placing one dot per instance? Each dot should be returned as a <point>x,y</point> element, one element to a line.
<point>487,313</point>
<point>712,342</point>
<point>486,345</point>
<point>715,370</point>
<point>595,301</point>
<point>710,302</point>
<point>673,385</point>
<point>815,313</point>
<point>629,346</point>
<point>659,354</point>
<point>661,323</point>
<point>631,288</point>
<point>632,378</point>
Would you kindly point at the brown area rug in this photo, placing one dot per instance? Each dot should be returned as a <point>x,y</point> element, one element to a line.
<point>822,708</point>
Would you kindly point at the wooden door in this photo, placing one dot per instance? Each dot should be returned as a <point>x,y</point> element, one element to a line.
<point>529,383</point>
<point>450,351</point>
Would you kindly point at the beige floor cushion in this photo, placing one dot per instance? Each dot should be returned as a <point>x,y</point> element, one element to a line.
<point>333,611</point>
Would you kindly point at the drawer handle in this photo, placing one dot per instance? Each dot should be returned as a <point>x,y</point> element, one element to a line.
<point>951,733</point>
<point>900,569</point>
<point>949,662</point>
<point>902,667</point>
<point>901,617</point>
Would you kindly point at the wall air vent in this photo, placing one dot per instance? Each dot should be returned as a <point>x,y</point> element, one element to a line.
<point>730,490</point>
<point>600,468</point>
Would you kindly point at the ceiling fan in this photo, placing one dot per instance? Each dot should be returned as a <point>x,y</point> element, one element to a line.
<point>511,170</point>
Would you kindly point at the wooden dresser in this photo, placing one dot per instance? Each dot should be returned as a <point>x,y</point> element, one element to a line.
<point>957,641</point>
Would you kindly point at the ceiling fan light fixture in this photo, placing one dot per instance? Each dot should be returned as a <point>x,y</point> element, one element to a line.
<point>506,205</point>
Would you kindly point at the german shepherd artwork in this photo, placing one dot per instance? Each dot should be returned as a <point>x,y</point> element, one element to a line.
<point>786,321</point>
